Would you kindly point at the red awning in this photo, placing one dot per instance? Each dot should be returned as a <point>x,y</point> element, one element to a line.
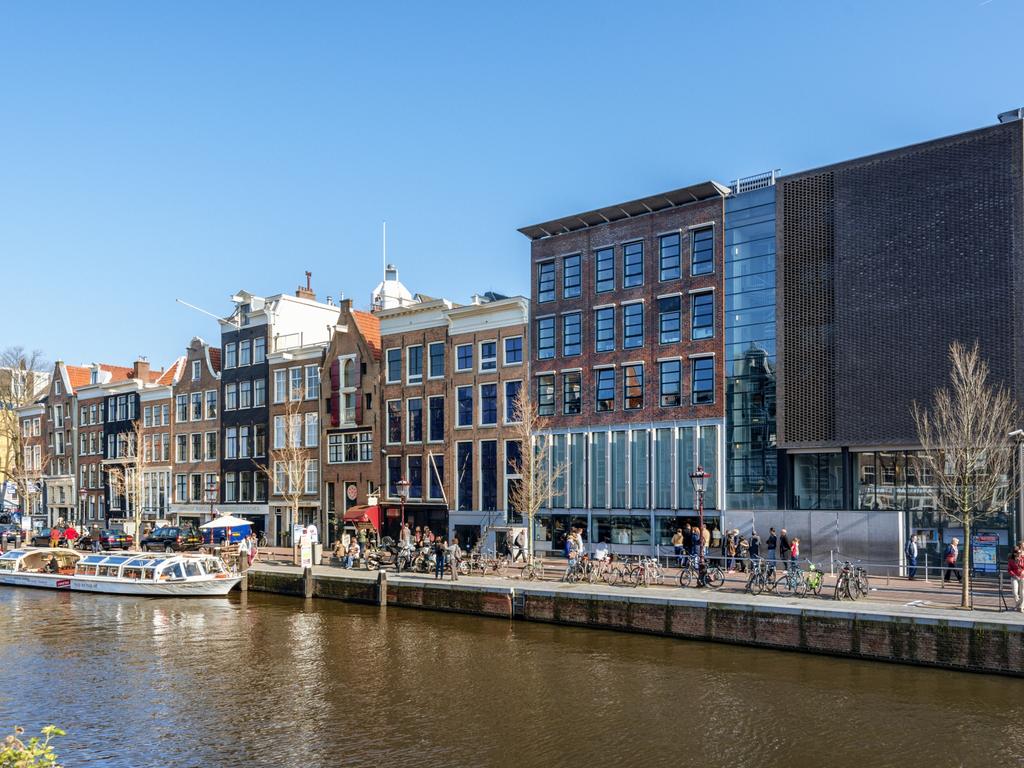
<point>364,514</point>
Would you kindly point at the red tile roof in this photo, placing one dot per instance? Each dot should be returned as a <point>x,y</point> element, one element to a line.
<point>215,358</point>
<point>81,375</point>
<point>369,327</point>
<point>172,370</point>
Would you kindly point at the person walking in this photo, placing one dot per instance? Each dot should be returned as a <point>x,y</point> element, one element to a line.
<point>695,544</point>
<point>784,547</point>
<point>454,556</point>
<point>1015,567</point>
<point>772,543</point>
<point>731,547</point>
<point>794,553</point>
<point>912,558</point>
<point>742,554</point>
<point>54,537</point>
<point>520,546</point>
<point>949,558</point>
<point>705,539</point>
<point>243,554</point>
<point>439,553</point>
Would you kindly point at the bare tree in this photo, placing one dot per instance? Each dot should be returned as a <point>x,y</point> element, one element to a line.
<point>538,478</point>
<point>967,448</point>
<point>286,469</point>
<point>22,378</point>
<point>128,480</point>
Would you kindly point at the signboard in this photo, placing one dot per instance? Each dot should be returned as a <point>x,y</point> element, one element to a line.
<point>305,551</point>
<point>984,552</point>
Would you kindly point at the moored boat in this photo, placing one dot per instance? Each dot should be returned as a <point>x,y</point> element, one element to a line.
<point>123,573</point>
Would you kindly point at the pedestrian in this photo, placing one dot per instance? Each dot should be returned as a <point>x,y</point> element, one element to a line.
<point>730,547</point>
<point>1015,567</point>
<point>243,553</point>
<point>54,537</point>
<point>362,538</point>
<point>785,547</point>
<point>95,536</point>
<point>439,548</point>
<point>520,546</point>
<point>454,556</point>
<point>794,553</point>
<point>352,554</point>
<point>695,544</point>
<point>705,539</point>
<point>755,546</point>
<point>429,536</point>
<point>742,554</point>
<point>772,543</point>
<point>912,558</point>
<point>677,544</point>
<point>950,557</point>
<point>253,547</point>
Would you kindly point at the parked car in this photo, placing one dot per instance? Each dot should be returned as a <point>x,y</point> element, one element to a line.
<point>9,533</point>
<point>42,538</point>
<point>109,538</point>
<point>172,539</point>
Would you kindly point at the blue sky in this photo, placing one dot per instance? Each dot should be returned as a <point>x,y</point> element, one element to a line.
<point>158,150</point>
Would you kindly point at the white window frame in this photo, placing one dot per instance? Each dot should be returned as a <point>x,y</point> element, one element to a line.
<point>480,356</point>
<point>197,370</point>
<point>455,365</point>
<point>504,350</point>
<point>387,366</point>
<point>504,399</point>
<point>408,360</point>
<point>480,404</point>
<point>387,416</point>
<point>429,357</point>
<point>280,385</point>
<point>408,421</point>
<point>312,427</point>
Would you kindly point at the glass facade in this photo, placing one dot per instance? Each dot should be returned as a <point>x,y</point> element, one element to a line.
<point>750,437</point>
<point>817,481</point>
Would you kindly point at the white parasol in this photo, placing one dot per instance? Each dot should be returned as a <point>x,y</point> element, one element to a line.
<point>226,521</point>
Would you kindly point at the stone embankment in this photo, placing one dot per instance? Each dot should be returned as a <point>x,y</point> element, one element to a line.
<point>977,642</point>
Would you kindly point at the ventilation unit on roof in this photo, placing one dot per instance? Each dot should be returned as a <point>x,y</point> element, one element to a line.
<point>1013,114</point>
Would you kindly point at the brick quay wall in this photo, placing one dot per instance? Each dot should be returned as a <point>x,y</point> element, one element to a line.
<point>988,643</point>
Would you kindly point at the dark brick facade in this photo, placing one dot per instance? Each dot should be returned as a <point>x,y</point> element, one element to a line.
<point>882,262</point>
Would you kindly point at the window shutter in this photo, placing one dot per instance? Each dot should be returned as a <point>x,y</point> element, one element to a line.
<point>335,405</point>
<point>359,407</point>
<point>356,378</point>
<point>335,375</point>
<point>357,382</point>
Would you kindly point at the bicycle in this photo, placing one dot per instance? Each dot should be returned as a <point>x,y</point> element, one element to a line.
<point>791,582</point>
<point>702,575</point>
<point>846,582</point>
<point>534,569</point>
<point>761,578</point>
<point>645,573</point>
<point>814,578</point>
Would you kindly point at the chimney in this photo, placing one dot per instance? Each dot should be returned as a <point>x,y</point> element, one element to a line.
<point>307,292</point>
<point>140,369</point>
<point>346,306</point>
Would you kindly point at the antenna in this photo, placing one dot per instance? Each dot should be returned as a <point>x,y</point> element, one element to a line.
<point>236,322</point>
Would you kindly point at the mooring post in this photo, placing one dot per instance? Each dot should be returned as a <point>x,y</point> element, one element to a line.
<point>382,588</point>
<point>307,577</point>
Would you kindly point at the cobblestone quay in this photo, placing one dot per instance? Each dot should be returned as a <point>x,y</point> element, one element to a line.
<point>939,637</point>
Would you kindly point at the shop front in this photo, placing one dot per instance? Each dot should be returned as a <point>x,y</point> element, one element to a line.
<point>432,516</point>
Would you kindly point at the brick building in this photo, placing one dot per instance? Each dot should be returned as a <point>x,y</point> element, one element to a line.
<point>627,363</point>
<point>349,415</point>
<point>195,450</point>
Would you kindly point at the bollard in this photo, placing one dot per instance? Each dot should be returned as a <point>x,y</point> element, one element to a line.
<point>307,577</point>
<point>243,585</point>
<point>382,588</point>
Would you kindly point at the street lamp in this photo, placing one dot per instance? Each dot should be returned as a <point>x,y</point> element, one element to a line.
<point>403,494</point>
<point>700,485</point>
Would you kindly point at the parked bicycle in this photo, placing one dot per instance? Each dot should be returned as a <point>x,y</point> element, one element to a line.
<point>702,574</point>
<point>851,582</point>
<point>791,582</point>
<point>534,569</point>
<point>814,578</point>
<point>645,573</point>
<point>762,577</point>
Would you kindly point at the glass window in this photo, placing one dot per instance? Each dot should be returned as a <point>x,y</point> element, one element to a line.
<point>513,350</point>
<point>488,404</point>
<point>488,355</point>
<point>488,475</point>
<point>546,395</point>
<point>668,247</point>
<point>669,320</point>
<point>230,355</point>
<point>577,470</point>
<point>632,264</point>
<point>464,473</point>
<point>280,385</point>
<point>685,466</point>
<point>633,387</point>
<point>702,247</point>
<point>618,473</point>
<point>394,475</point>
<point>230,397</point>
<point>259,350</point>
<point>604,259</point>
<point>415,476</point>
<point>663,478</point>
<point>571,277</point>
<point>605,389</point>
<point>571,342</point>
<point>244,353</point>
<point>464,357</point>
<point>709,460</point>
<point>259,392</point>
<point>465,406</point>
<point>244,395</point>
<point>295,385</point>
<point>435,471</point>
<point>511,395</point>
<point>436,418</point>
<point>669,375</point>
<point>181,408</point>
<point>571,392</point>
<point>414,362</point>
<point>639,470</point>
<point>313,382</point>
<point>546,281</point>
<point>703,316</point>
<point>598,470</point>
<point>557,453</point>
<point>437,360</point>
<point>414,405</point>
<point>818,481</point>
<point>632,326</point>
<point>703,378</point>
<point>545,338</point>
<point>211,404</point>
<point>394,368</point>
<point>394,421</point>
<point>604,329</point>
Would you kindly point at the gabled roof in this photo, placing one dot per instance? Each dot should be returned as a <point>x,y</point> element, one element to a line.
<point>81,375</point>
<point>369,327</point>
<point>215,358</point>
<point>171,374</point>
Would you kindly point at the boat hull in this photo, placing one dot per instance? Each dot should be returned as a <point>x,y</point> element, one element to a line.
<point>211,587</point>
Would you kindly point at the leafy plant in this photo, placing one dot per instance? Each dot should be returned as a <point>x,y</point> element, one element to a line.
<point>37,753</point>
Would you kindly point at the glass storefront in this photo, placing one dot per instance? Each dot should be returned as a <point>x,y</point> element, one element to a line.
<point>750,438</point>
<point>817,481</point>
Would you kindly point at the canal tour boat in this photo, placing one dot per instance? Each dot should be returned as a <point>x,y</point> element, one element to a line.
<point>124,573</point>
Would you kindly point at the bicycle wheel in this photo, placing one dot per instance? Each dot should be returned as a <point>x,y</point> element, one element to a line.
<point>862,582</point>
<point>800,588</point>
<point>755,584</point>
<point>685,577</point>
<point>783,586</point>
<point>715,577</point>
<point>842,587</point>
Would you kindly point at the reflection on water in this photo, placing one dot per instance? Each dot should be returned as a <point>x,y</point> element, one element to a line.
<point>271,681</point>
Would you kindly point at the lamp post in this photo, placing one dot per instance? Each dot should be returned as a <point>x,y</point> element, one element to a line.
<point>700,485</point>
<point>403,494</point>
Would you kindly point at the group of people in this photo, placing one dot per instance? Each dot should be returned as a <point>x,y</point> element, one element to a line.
<point>737,550</point>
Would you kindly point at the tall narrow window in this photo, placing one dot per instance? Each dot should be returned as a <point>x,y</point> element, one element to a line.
<point>571,392</point>
<point>632,264</point>
<point>488,404</point>
<point>464,357</point>
<point>488,356</point>
<point>703,379</point>
<point>639,481</point>
<point>394,366</point>
<point>488,475</point>
<point>545,338</point>
<point>414,406</point>
<point>464,414</point>
<point>546,395</point>
<point>436,417</point>
<point>415,477</point>
<point>669,373</point>
<point>546,281</point>
<point>703,316</point>
<point>633,387</point>
<point>436,360</point>
<point>598,470</point>
<point>394,475</point>
<point>668,246</point>
<point>669,320</point>
<point>604,278</point>
<point>571,343</point>
<point>571,277</point>
<point>632,326</point>
<point>394,421</point>
<point>512,388</point>
<point>619,482</point>
<point>605,389</point>
<point>435,471</point>
<point>604,329</point>
<point>702,249</point>
<point>464,475</point>
<point>414,362</point>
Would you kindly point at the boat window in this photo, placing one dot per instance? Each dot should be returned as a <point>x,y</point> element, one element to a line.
<point>86,570</point>
<point>8,565</point>
<point>94,559</point>
<point>173,571</point>
<point>192,568</point>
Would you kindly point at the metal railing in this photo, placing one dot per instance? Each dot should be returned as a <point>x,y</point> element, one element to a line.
<point>757,181</point>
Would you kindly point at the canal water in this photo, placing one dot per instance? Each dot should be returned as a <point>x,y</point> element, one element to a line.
<point>261,680</point>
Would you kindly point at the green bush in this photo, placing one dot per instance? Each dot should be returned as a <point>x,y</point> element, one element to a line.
<point>37,753</point>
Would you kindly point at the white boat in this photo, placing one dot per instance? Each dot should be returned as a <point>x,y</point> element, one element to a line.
<point>123,573</point>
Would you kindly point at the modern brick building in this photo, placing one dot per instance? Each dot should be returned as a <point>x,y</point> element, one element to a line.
<point>627,363</point>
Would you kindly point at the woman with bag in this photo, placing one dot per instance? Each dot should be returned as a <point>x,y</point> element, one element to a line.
<point>950,558</point>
